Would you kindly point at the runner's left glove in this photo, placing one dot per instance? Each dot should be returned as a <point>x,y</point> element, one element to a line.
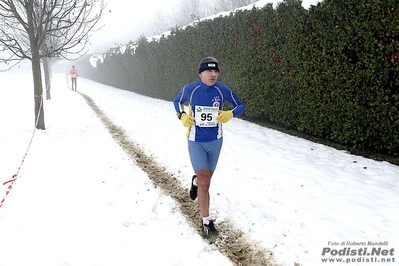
<point>224,116</point>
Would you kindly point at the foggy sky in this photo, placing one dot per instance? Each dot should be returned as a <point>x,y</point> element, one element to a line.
<point>125,21</point>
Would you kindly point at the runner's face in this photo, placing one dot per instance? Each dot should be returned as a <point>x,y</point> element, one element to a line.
<point>209,77</point>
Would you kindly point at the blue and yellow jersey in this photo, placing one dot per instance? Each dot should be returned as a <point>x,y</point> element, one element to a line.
<point>203,102</point>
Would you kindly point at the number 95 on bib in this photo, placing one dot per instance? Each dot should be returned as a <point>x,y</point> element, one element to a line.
<point>205,116</point>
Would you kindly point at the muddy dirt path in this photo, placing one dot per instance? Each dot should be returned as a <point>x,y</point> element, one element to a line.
<point>231,242</point>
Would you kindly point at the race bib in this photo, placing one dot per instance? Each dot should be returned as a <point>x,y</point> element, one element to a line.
<point>205,116</point>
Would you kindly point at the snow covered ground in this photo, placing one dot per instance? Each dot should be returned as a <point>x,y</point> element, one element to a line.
<point>80,200</point>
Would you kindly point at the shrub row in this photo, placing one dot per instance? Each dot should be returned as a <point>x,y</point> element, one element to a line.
<point>330,71</point>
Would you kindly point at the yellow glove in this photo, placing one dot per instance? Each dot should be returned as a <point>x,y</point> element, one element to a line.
<point>187,120</point>
<point>224,116</point>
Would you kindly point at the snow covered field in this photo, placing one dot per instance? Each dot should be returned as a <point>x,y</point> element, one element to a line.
<point>80,200</point>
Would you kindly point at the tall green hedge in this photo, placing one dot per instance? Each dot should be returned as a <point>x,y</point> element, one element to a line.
<point>330,71</point>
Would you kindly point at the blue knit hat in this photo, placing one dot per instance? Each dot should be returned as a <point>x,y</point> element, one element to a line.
<point>208,63</point>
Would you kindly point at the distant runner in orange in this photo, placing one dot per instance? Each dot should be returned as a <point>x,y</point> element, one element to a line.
<point>74,74</point>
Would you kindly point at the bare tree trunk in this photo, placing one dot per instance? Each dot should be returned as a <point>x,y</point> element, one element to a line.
<point>38,91</point>
<point>47,79</point>
<point>35,29</point>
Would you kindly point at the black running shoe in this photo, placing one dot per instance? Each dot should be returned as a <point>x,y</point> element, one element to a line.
<point>209,229</point>
<point>193,189</point>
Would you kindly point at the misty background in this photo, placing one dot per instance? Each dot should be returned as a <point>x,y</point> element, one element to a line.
<point>127,21</point>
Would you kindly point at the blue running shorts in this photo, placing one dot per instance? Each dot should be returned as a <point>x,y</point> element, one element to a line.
<point>204,154</point>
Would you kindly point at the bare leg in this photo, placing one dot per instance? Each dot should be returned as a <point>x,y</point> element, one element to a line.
<point>204,181</point>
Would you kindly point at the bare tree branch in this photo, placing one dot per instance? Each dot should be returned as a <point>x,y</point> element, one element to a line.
<point>58,27</point>
<point>36,29</point>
